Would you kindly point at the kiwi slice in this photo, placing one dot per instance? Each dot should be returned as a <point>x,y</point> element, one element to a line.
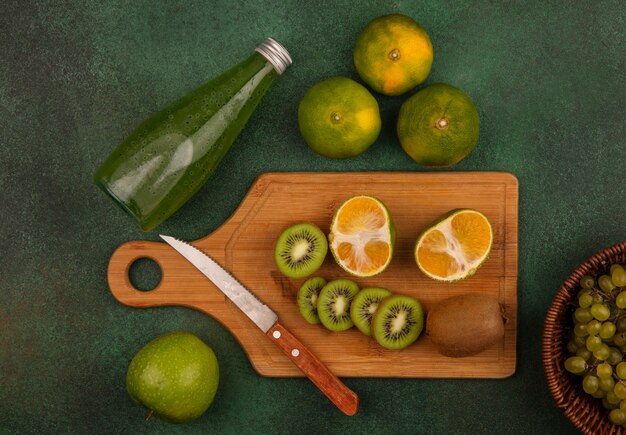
<point>364,305</point>
<point>398,321</point>
<point>333,304</point>
<point>300,250</point>
<point>307,299</point>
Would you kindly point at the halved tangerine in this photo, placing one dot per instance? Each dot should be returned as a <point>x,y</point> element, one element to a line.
<point>455,245</point>
<point>362,236</point>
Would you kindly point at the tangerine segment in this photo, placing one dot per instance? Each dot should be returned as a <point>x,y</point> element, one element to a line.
<point>378,253</point>
<point>367,260</point>
<point>347,255</point>
<point>473,233</point>
<point>433,255</point>
<point>359,215</point>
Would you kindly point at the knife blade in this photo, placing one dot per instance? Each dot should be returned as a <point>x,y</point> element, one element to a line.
<point>246,301</point>
<point>267,321</point>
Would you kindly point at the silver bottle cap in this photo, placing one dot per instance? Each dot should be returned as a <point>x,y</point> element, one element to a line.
<point>276,54</point>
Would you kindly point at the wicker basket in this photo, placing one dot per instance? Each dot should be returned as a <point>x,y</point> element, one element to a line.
<point>584,411</point>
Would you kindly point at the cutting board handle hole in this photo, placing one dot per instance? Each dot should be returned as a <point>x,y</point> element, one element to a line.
<point>145,274</point>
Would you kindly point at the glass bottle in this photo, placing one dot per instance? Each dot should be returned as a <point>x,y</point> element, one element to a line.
<point>172,154</point>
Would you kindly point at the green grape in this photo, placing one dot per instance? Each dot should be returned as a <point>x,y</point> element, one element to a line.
<point>607,384</point>
<point>620,370</point>
<point>621,324</point>
<point>619,390</point>
<point>585,299</point>
<point>602,353</point>
<point>597,298</point>
<point>594,343</point>
<point>608,405</point>
<point>600,312</point>
<point>575,364</point>
<point>583,315</point>
<point>599,394</point>
<point>578,341</point>
<point>604,370</point>
<point>613,267</point>
<point>619,339</point>
<point>612,398</point>
<point>593,327</point>
<point>591,383</point>
<point>607,330</point>
<point>618,275</point>
<point>617,416</point>
<point>584,353</point>
<point>580,330</point>
<point>571,347</point>
<point>615,356</point>
<point>620,300</point>
<point>622,404</point>
<point>587,282</point>
<point>606,284</point>
<point>622,349</point>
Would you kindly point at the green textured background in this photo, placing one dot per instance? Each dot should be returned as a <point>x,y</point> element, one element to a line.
<point>76,77</point>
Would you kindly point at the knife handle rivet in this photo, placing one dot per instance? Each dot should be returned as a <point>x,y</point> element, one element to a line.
<point>276,334</point>
<point>295,352</point>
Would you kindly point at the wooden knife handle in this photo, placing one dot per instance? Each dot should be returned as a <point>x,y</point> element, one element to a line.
<point>344,398</point>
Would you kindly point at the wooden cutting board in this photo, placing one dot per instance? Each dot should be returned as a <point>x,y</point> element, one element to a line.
<point>245,246</point>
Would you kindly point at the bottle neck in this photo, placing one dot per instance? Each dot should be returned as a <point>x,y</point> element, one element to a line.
<point>276,54</point>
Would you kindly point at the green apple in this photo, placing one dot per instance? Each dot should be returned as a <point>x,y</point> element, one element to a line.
<point>174,376</point>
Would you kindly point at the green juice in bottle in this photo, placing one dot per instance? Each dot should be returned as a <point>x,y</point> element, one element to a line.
<point>172,154</point>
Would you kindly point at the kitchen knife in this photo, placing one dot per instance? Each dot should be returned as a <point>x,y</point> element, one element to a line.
<point>267,321</point>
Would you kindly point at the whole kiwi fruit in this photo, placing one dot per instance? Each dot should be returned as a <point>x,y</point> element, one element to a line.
<point>465,325</point>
